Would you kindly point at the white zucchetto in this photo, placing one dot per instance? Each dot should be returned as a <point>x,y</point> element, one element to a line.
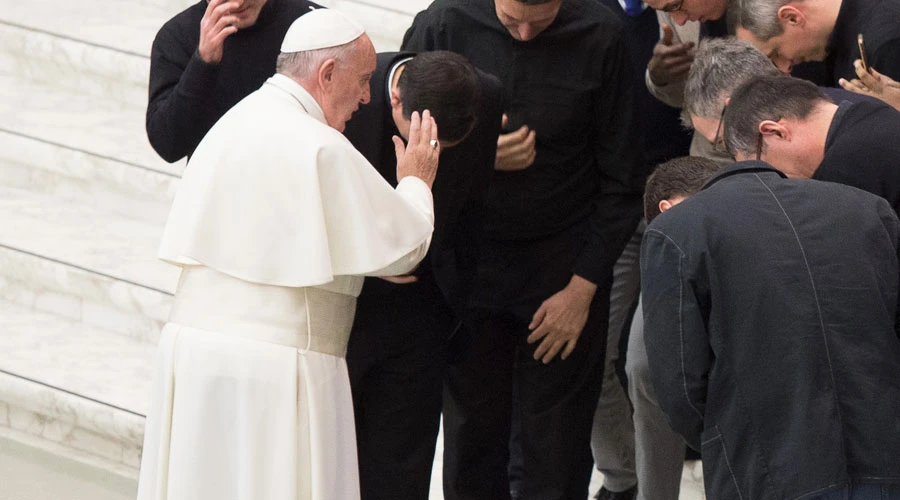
<point>320,29</point>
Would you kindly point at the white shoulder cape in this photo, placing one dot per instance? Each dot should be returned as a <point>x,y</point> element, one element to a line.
<point>273,195</point>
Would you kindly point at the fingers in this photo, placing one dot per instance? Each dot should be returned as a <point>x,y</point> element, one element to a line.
<point>504,121</point>
<point>518,142</point>
<point>869,78</point>
<point>680,69</point>
<point>434,131</point>
<point>548,349</point>
<point>538,317</point>
<point>415,128</point>
<point>570,346</point>
<point>211,6</point>
<point>399,148</point>
<point>668,35</point>
<point>680,50</point>
<point>879,77</point>
<point>516,137</point>
<point>216,25</point>
<point>426,125</point>
<point>853,85</point>
<point>515,152</point>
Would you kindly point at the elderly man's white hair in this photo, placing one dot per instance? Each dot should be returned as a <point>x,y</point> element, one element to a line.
<point>314,38</point>
<point>720,66</point>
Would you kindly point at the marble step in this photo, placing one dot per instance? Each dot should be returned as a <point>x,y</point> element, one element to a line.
<point>86,179</point>
<point>107,50</point>
<point>385,20</point>
<point>51,58</point>
<point>83,263</point>
<point>78,121</point>
<point>74,390</point>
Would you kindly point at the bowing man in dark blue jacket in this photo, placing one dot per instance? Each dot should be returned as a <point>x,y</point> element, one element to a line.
<point>771,328</point>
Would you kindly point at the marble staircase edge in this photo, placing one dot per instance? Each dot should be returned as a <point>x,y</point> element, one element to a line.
<point>385,26</point>
<point>74,64</point>
<point>69,425</point>
<point>79,294</point>
<point>127,189</point>
<point>78,121</point>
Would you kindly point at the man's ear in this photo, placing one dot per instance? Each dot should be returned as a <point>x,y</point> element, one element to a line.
<point>325,75</point>
<point>395,100</point>
<point>664,205</point>
<point>771,128</point>
<point>789,15</point>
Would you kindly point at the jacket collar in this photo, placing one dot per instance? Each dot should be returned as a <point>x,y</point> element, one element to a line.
<point>742,167</point>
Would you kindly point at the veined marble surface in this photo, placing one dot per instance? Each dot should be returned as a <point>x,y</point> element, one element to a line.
<point>79,121</point>
<point>89,362</point>
<point>74,65</point>
<point>86,179</point>
<point>385,21</point>
<point>80,387</point>
<point>127,25</point>
<point>79,295</point>
<point>131,25</point>
<point>97,240</point>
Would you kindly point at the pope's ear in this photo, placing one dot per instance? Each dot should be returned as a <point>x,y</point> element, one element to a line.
<point>325,75</point>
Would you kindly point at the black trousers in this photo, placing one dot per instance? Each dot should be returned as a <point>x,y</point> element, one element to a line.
<point>396,358</point>
<point>556,401</point>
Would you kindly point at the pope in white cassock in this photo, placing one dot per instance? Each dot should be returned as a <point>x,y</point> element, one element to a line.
<point>276,221</point>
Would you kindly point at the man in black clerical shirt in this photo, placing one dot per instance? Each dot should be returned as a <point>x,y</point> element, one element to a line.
<point>564,199</point>
<point>206,59</point>
<point>398,349</point>
<point>795,127</point>
<point>795,31</point>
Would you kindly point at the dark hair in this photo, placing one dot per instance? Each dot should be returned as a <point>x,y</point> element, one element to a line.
<point>445,83</point>
<point>679,177</point>
<point>766,98</point>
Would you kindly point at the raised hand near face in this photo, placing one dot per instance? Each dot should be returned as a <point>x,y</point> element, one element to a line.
<point>419,157</point>
<point>669,61</point>
<point>217,24</point>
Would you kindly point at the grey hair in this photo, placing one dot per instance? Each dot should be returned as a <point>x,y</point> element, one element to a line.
<point>766,98</point>
<point>720,66</point>
<point>303,65</point>
<point>759,17</point>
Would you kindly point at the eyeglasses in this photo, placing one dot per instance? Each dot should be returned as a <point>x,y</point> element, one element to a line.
<point>759,145</point>
<point>674,7</point>
<point>718,140</point>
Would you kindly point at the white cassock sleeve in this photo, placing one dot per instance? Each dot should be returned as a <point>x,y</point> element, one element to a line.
<point>290,202</point>
<point>417,194</point>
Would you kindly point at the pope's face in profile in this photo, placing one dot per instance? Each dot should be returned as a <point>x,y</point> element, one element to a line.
<point>350,83</point>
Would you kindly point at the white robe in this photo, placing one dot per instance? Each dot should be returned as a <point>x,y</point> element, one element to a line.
<point>276,221</point>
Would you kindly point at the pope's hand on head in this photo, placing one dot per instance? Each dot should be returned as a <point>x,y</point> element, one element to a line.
<point>515,150</point>
<point>216,25</point>
<point>670,61</point>
<point>419,157</point>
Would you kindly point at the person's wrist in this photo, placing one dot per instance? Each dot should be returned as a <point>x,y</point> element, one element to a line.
<point>582,287</point>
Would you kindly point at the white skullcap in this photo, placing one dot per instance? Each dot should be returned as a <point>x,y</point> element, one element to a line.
<point>320,29</point>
